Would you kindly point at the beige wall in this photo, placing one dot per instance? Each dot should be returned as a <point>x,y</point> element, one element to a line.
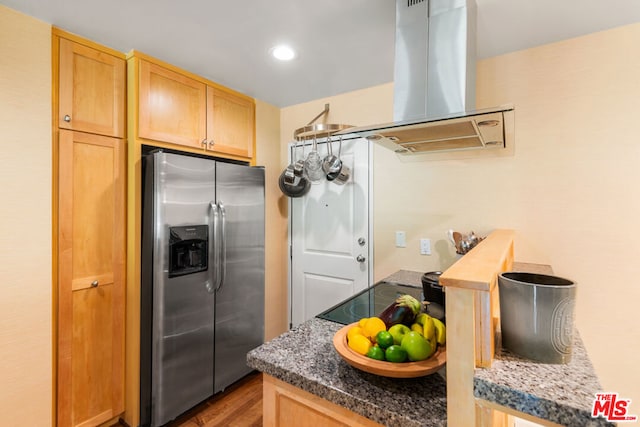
<point>25,229</point>
<point>268,155</point>
<point>570,191</point>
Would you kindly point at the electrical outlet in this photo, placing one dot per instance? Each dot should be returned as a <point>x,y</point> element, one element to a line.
<point>401,239</point>
<point>425,246</point>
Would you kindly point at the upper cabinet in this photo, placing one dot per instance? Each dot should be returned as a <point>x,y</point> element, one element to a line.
<point>179,108</point>
<point>230,122</point>
<point>172,107</point>
<point>91,90</point>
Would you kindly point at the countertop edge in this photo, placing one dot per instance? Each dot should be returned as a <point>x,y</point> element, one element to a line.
<point>527,403</point>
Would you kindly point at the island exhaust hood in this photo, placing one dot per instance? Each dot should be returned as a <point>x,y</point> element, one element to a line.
<point>434,84</point>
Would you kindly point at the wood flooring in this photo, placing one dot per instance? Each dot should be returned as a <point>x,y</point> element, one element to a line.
<point>240,405</point>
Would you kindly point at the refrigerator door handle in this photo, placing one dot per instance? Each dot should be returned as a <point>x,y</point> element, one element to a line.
<point>212,283</point>
<point>223,245</point>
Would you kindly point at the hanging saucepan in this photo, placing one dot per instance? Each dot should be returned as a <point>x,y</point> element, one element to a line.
<point>343,176</point>
<point>290,175</point>
<point>293,190</point>
<point>292,181</point>
<point>331,163</point>
<point>298,167</point>
<point>339,176</point>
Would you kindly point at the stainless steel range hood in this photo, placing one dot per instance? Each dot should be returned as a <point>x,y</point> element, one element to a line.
<point>434,84</point>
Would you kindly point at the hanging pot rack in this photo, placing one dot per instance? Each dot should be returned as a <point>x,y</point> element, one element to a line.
<point>318,130</point>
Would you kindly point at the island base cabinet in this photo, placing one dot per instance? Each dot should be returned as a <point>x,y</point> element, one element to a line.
<point>286,405</point>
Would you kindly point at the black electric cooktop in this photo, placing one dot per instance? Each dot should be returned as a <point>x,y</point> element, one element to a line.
<point>370,302</point>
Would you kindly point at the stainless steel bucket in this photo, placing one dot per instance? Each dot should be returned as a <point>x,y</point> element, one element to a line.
<point>537,315</point>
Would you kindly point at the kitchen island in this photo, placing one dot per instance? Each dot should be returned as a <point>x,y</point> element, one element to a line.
<point>305,359</point>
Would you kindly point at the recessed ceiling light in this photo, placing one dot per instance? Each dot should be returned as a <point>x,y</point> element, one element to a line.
<point>283,53</point>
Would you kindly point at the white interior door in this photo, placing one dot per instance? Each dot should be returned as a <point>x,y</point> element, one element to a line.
<point>330,236</point>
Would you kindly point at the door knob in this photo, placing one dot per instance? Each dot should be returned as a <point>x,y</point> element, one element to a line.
<point>204,142</point>
<point>67,118</point>
<point>94,284</point>
<point>360,258</point>
<point>361,241</point>
<point>211,144</point>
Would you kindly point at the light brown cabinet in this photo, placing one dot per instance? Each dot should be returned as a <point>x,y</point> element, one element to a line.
<point>286,405</point>
<point>91,90</point>
<point>172,107</point>
<point>89,231</point>
<point>230,123</point>
<point>176,108</point>
<point>91,278</point>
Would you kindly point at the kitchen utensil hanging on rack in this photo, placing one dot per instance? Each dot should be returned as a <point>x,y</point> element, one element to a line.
<point>295,180</point>
<point>341,173</point>
<point>313,164</point>
<point>331,163</point>
<point>292,181</point>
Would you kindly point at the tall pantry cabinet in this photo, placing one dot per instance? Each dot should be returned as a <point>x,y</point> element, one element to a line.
<point>89,230</point>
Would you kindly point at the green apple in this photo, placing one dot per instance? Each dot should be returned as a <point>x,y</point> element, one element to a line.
<point>417,347</point>
<point>398,332</point>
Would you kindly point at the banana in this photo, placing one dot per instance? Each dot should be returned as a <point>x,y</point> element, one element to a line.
<point>433,342</point>
<point>441,331</point>
<point>420,318</point>
<point>428,327</point>
<point>417,327</point>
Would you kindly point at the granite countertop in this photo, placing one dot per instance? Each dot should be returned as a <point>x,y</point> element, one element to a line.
<point>406,277</point>
<point>305,358</point>
<point>559,393</point>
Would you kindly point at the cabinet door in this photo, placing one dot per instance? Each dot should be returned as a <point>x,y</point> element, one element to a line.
<point>172,107</point>
<point>230,123</point>
<point>92,90</point>
<point>91,281</point>
<point>286,405</point>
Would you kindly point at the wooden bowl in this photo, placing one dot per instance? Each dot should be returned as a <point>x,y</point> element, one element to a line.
<point>387,369</point>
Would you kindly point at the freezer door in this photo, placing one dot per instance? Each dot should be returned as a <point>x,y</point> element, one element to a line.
<point>183,285</point>
<point>240,297</point>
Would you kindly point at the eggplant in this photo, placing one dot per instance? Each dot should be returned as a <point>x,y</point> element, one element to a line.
<point>403,310</point>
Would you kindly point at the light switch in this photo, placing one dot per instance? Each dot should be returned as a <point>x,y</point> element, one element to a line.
<point>401,239</point>
<point>425,246</point>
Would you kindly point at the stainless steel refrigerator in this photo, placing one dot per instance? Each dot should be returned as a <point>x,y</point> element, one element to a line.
<point>202,279</point>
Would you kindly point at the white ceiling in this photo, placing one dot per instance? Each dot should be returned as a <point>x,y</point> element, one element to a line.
<point>343,45</point>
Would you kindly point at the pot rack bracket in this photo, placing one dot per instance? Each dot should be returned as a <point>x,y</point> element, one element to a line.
<point>318,130</point>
